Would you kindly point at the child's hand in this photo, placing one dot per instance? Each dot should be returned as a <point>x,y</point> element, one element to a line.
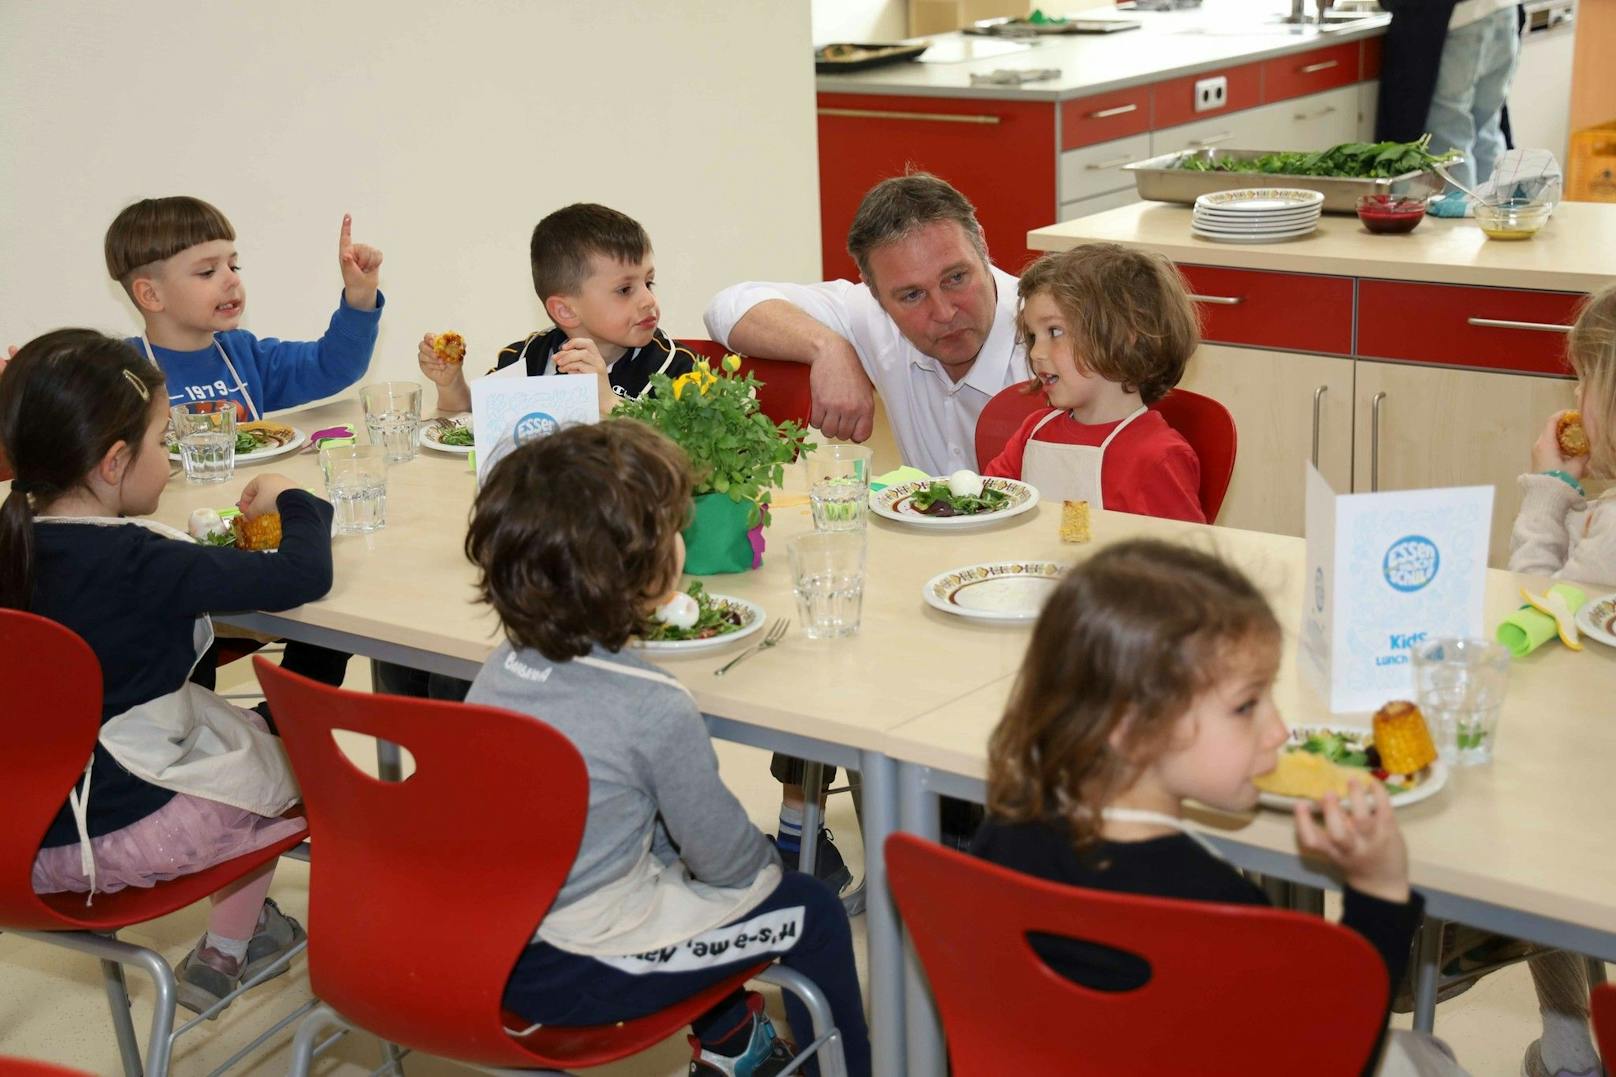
<point>259,498</point>
<point>579,356</point>
<point>361,268</point>
<point>436,369</point>
<point>1361,838</point>
<point>1546,455</point>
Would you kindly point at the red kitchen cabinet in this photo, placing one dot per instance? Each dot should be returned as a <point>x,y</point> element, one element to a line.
<point>1174,100</point>
<point>1257,308</point>
<point>1313,71</point>
<point>1104,117</point>
<point>1458,325</point>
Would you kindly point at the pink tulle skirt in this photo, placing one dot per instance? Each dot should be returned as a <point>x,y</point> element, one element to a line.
<point>184,836</point>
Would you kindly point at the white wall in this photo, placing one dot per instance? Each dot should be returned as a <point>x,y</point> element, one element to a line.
<point>859,20</point>
<point>447,130</point>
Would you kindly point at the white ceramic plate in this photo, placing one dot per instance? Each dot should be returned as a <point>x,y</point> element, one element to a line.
<point>1255,237</point>
<point>1267,215</point>
<point>1597,619</point>
<point>1425,784</point>
<point>994,590</point>
<point>1261,199</point>
<point>754,621</point>
<point>1216,221</point>
<point>893,503</point>
<point>298,438</point>
<point>1253,229</point>
<point>427,438</point>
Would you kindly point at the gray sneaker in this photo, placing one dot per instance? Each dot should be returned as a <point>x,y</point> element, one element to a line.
<point>205,977</point>
<point>1532,1066</point>
<point>276,934</point>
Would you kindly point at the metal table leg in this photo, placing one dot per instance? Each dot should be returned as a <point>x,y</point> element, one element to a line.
<point>919,811</point>
<point>813,816</point>
<point>1426,972</point>
<point>881,918</point>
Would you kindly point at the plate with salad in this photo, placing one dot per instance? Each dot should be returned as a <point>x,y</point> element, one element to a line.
<point>447,435</point>
<point>255,441</point>
<point>694,620</point>
<point>964,499</point>
<point>1354,749</point>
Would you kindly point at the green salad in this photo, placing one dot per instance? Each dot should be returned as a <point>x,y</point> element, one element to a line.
<point>938,500</point>
<point>1348,749</point>
<point>456,433</point>
<point>714,618</point>
<point>1352,160</point>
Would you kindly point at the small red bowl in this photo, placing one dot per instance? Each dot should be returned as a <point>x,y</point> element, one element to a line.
<point>1386,214</point>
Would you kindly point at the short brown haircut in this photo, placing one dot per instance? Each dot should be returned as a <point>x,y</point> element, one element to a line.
<point>573,535</point>
<point>896,208</point>
<point>564,241</point>
<point>157,228</point>
<point>1128,312</point>
<point>1134,633</point>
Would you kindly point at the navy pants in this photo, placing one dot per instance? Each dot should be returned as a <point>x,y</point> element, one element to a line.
<point>802,924</point>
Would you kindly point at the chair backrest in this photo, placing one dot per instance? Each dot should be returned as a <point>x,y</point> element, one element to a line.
<point>423,893</point>
<point>49,720</point>
<point>1318,989</point>
<point>783,391</point>
<point>1202,421</point>
<point>1603,1004</point>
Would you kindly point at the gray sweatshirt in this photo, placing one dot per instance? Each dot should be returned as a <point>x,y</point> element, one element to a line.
<point>651,766</point>
<point>1560,533</point>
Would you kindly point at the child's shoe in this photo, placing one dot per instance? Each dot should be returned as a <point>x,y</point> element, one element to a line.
<point>205,977</point>
<point>829,868</point>
<point>276,934</point>
<point>1532,1065</point>
<point>765,1053</point>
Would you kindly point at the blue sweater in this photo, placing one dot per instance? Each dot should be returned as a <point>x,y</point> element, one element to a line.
<point>278,373</point>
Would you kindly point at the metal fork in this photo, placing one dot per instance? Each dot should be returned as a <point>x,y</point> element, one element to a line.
<point>776,633</point>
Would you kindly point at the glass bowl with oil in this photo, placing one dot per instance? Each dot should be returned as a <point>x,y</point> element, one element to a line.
<point>1514,218</point>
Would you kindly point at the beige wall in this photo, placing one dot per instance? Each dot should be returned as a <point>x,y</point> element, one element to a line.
<point>446,129</point>
<point>859,20</point>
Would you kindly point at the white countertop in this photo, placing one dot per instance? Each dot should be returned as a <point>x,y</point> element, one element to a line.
<point>1169,44</point>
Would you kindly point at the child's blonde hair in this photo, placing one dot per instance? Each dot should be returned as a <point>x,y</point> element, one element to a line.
<point>1591,348</point>
<point>1131,636</point>
<point>1128,312</point>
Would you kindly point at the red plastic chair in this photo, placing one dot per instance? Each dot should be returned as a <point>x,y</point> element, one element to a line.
<point>783,392</point>
<point>481,838</point>
<point>1318,989</point>
<point>27,1067</point>
<point>1202,421</point>
<point>1603,1004</point>
<point>49,724</point>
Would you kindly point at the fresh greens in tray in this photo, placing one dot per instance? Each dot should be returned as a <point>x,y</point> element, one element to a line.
<point>713,618</point>
<point>938,500</point>
<point>1356,160</point>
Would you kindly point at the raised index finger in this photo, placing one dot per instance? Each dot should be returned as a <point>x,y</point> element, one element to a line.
<point>345,237</point>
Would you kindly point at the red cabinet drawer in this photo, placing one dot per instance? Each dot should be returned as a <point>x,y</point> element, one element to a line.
<point>1369,52</point>
<point>1312,71</point>
<point>1173,101</point>
<point>1273,310</point>
<point>1105,116</point>
<point>1001,154</point>
<point>1460,326</point>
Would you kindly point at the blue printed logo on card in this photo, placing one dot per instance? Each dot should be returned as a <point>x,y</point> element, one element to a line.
<point>533,426</point>
<point>1411,563</point>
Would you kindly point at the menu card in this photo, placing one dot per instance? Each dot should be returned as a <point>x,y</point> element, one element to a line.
<point>512,411</point>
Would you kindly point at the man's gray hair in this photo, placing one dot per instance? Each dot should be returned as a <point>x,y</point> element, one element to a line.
<point>896,208</point>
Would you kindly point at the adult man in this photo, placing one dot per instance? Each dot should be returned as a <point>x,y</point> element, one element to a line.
<point>932,325</point>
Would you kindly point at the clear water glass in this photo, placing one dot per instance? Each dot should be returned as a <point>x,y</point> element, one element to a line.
<point>839,487</point>
<point>393,417</point>
<point>1459,684</point>
<point>827,572</point>
<point>206,433</point>
<point>356,486</point>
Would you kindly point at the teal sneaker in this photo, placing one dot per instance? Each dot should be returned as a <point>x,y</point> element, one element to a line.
<point>765,1055</point>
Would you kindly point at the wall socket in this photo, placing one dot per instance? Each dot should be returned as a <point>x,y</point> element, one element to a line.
<point>1211,93</point>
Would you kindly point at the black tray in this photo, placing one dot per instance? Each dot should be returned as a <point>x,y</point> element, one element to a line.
<point>868,55</point>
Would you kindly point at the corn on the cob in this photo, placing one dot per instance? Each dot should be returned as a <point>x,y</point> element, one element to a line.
<point>1402,738</point>
<point>260,533</point>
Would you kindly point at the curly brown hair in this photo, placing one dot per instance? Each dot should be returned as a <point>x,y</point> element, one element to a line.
<point>1131,635</point>
<point>574,535</point>
<point>1128,312</point>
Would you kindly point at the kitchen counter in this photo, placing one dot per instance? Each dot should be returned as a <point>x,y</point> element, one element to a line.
<point>1168,44</point>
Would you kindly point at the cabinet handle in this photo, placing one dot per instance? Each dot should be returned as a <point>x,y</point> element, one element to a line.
<point>1374,442</point>
<point>1212,140</point>
<point>1218,300</point>
<point>1503,323</point>
<point>1101,166</point>
<point>929,117</point>
<point>1107,113</point>
<point>1319,115</point>
<point>1318,402</point>
<point>1314,69</point>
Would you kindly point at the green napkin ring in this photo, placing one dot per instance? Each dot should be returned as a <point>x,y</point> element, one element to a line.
<point>1527,629</point>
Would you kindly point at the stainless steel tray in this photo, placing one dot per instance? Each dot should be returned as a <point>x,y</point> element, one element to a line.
<point>1160,179</point>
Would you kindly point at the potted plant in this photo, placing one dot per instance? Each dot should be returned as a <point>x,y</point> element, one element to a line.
<point>737,454</point>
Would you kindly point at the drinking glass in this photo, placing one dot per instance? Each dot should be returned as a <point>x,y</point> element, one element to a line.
<point>392,417</point>
<point>839,486</point>
<point>356,484</point>
<point>1459,684</point>
<point>827,571</point>
<point>206,431</point>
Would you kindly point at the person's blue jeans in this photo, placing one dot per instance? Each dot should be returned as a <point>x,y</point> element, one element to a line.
<point>1477,63</point>
<point>802,923</point>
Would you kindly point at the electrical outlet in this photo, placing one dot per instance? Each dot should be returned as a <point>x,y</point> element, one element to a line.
<point>1211,93</point>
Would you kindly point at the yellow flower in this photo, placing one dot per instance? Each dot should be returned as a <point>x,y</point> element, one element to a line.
<point>732,363</point>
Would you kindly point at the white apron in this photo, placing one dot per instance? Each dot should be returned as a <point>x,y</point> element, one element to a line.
<point>654,905</point>
<point>241,384</point>
<point>1067,472</point>
<point>191,740</point>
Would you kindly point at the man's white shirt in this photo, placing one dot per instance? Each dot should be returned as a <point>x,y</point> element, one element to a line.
<point>933,417</point>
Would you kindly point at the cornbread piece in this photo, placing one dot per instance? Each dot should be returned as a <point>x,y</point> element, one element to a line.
<point>1307,774</point>
<point>262,533</point>
<point>1402,738</point>
<point>1573,438</point>
<point>450,347</point>
<point>1074,525</point>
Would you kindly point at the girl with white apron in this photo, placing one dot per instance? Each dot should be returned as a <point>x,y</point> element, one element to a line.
<point>1068,472</point>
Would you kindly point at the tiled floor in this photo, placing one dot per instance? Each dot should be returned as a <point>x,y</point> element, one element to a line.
<point>52,1007</point>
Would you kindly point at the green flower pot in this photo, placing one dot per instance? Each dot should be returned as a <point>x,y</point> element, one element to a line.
<point>723,537</point>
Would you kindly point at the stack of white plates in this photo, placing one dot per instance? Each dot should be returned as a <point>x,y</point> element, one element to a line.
<point>1257,215</point>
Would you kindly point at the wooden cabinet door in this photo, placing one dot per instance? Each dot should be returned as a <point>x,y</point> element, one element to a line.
<point>1442,427</point>
<point>1272,397</point>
